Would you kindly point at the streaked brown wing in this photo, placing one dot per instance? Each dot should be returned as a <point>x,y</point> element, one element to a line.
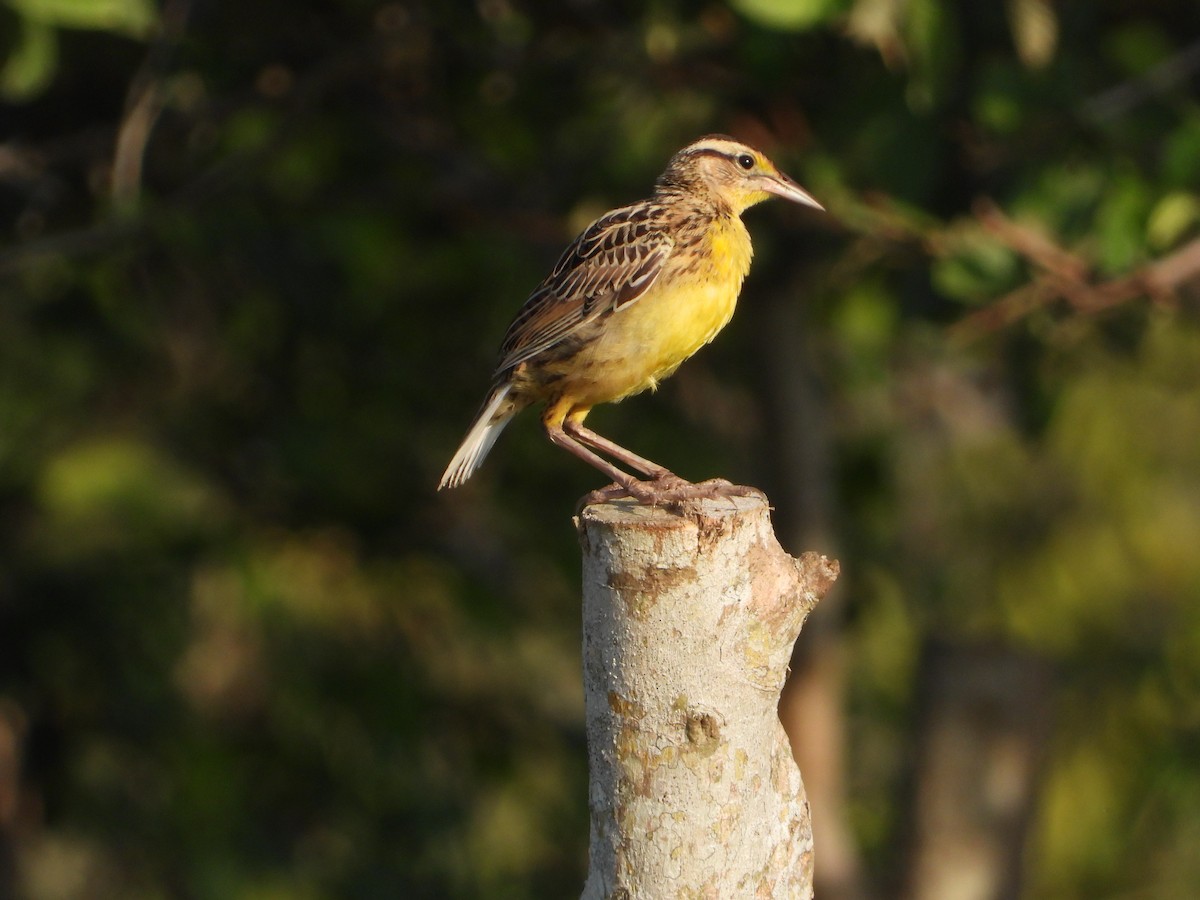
<point>609,266</point>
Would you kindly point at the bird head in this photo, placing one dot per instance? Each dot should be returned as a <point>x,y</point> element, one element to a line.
<point>734,174</point>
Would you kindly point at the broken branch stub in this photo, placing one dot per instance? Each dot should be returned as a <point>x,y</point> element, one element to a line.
<point>688,625</point>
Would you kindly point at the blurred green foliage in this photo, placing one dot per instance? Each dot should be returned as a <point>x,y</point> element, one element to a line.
<point>32,62</point>
<point>248,652</point>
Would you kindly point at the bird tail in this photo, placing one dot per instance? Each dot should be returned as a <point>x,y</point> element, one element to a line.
<point>488,424</point>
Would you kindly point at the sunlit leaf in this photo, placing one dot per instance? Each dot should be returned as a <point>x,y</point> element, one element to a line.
<point>999,111</point>
<point>1035,31</point>
<point>31,65</point>
<point>789,15</point>
<point>1121,222</point>
<point>1171,218</point>
<point>131,17</point>
<point>111,489</point>
<point>1080,812</point>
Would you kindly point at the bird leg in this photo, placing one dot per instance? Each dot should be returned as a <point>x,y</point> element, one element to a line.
<point>667,489</point>
<point>584,434</point>
<point>643,493</point>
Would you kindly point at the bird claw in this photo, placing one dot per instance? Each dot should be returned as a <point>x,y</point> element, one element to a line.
<point>678,499</point>
<point>613,492</point>
<point>669,481</point>
<point>720,487</point>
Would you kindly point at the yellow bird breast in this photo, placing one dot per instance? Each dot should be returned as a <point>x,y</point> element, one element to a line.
<point>692,299</point>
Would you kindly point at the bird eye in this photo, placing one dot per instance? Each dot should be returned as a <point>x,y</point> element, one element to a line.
<point>746,161</point>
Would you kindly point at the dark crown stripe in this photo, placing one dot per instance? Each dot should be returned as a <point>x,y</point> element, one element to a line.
<point>708,151</point>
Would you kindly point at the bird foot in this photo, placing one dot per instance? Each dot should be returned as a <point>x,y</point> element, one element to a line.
<point>670,492</point>
<point>715,488</point>
<point>678,499</point>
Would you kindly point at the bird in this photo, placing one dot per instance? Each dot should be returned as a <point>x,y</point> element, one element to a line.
<point>640,290</point>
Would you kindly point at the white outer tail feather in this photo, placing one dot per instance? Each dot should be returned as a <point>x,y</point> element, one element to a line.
<point>479,440</point>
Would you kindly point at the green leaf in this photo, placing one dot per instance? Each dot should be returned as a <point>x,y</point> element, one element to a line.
<point>1121,223</point>
<point>977,268</point>
<point>932,42</point>
<point>1063,198</point>
<point>110,490</point>
<point>789,15</point>
<point>130,17</point>
<point>31,65</point>
<point>1138,46</point>
<point>865,322</point>
<point>999,103</point>
<point>1171,218</point>
<point>1181,153</point>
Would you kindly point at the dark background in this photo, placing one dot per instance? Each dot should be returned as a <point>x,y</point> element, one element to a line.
<point>257,258</point>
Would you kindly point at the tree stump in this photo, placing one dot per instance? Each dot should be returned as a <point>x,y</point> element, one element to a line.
<point>688,625</point>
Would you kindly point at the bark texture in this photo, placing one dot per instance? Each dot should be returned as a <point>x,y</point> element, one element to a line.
<point>688,624</point>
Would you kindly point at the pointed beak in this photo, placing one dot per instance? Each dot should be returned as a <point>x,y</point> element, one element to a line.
<point>782,186</point>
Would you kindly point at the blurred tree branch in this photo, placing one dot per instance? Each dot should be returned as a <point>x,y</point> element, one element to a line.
<point>1062,275</point>
<point>1118,100</point>
<point>986,716</point>
<point>813,704</point>
<point>143,104</point>
<point>1065,276</point>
